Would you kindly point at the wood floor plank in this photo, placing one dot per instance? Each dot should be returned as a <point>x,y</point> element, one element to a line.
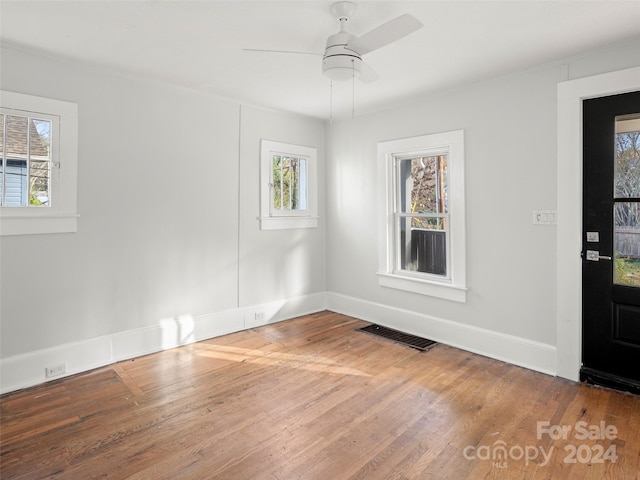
<point>311,398</point>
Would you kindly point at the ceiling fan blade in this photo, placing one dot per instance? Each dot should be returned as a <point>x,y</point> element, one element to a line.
<point>258,50</point>
<point>367,75</point>
<point>385,34</point>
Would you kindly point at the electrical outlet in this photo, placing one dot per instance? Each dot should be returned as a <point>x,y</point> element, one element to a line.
<point>259,316</point>
<point>54,370</point>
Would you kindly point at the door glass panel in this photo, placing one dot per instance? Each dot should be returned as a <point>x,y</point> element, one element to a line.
<point>626,237</point>
<point>627,157</point>
<point>627,213</point>
<point>1,159</point>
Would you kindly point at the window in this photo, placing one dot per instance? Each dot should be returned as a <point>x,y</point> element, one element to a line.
<point>38,162</point>
<point>25,170</point>
<point>288,197</point>
<point>288,185</point>
<point>422,220</point>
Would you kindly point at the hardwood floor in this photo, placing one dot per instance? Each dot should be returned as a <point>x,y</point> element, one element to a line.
<point>311,398</point>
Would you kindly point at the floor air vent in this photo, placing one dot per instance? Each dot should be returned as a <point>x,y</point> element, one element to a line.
<point>412,341</point>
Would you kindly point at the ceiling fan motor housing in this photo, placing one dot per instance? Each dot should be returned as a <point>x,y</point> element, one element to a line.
<point>340,63</point>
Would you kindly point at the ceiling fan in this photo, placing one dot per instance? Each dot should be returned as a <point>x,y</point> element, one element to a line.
<point>342,58</point>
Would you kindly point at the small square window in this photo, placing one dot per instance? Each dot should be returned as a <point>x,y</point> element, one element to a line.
<point>38,164</point>
<point>288,185</point>
<point>25,169</point>
<point>288,190</point>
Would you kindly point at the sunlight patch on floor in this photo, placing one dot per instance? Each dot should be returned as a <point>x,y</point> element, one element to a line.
<point>304,362</point>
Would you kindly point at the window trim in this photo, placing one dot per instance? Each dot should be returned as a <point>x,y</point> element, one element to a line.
<point>453,286</point>
<point>274,220</point>
<point>62,215</point>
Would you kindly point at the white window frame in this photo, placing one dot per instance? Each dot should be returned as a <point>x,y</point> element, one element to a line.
<point>271,219</point>
<point>452,286</point>
<point>61,216</point>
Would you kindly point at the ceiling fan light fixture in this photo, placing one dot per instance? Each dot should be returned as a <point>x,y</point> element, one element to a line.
<point>342,59</point>
<point>340,68</point>
<point>339,63</point>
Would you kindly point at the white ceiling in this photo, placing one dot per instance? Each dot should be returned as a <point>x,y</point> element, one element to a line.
<point>200,44</point>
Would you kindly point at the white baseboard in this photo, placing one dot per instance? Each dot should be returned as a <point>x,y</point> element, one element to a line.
<point>26,370</point>
<point>508,348</point>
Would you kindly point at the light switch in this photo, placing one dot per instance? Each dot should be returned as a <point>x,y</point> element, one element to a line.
<point>544,217</point>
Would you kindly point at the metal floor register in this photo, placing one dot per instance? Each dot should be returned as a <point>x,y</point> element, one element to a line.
<point>413,341</point>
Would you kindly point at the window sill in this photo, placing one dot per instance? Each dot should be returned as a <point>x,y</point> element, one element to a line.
<point>38,224</point>
<point>282,223</point>
<point>423,287</point>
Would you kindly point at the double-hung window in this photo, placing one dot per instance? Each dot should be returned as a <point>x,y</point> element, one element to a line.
<point>38,162</point>
<point>422,222</point>
<point>288,196</point>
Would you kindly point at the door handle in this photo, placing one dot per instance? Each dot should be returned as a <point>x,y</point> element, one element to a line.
<point>594,256</point>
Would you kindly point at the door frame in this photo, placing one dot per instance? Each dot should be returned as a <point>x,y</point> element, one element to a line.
<point>569,206</point>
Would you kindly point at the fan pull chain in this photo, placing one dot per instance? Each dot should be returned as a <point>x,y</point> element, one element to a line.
<point>353,89</point>
<point>330,102</point>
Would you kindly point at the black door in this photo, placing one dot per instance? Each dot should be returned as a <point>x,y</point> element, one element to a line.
<point>611,242</point>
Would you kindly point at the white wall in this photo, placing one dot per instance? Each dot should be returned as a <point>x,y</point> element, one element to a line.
<point>277,264</point>
<point>178,256</point>
<point>168,248</point>
<point>510,148</point>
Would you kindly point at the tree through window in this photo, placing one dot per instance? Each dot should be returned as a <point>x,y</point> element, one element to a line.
<point>422,213</point>
<point>288,186</point>
<point>626,209</point>
<point>289,183</point>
